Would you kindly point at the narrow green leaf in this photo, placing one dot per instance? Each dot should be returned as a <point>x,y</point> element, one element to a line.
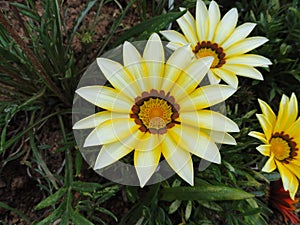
<point>107,212</point>
<point>210,205</point>
<point>78,162</point>
<point>78,219</point>
<point>174,206</point>
<point>51,200</point>
<point>204,192</point>
<point>53,216</point>
<point>145,29</point>
<point>85,186</point>
<point>17,212</point>
<point>188,210</point>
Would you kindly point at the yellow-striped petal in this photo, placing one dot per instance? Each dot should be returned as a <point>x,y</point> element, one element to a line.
<point>250,60</point>
<point>267,111</point>
<point>244,70</point>
<point>295,169</point>
<point>264,149</point>
<point>259,136</point>
<point>188,28</point>
<point>118,77</point>
<point>97,118</point>
<point>111,153</point>
<point>292,111</point>
<point>196,142</point>
<point>206,96</point>
<point>178,159</point>
<point>174,36</point>
<point>202,21</point>
<point>106,98</point>
<point>190,78</point>
<point>282,114</point>
<point>133,63</point>
<point>270,165</point>
<point>214,18</point>
<point>226,26</point>
<point>294,129</point>
<point>289,180</point>
<point>228,76</point>
<point>220,137</point>
<point>112,130</point>
<point>145,163</point>
<point>245,45</point>
<point>240,33</point>
<point>213,78</point>
<point>208,119</point>
<point>265,125</point>
<point>154,57</point>
<point>176,63</point>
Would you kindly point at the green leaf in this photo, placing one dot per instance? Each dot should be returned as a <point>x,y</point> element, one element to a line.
<point>204,192</point>
<point>174,206</point>
<point>210,205</point>
<point>78,219</point>
<point>53,216</point>
<point>145,29</point>
<point>188,210</point>
<point>51,200</point>
<point>85,186</point>
<point>78,162</point>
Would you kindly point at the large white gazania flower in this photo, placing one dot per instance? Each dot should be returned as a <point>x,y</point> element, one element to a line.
<point>155,107</point>
<point>220,38</point>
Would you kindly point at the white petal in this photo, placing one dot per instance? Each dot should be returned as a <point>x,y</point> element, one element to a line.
<point>176,63</point>
<point>118,77</point>
<point>250,60</point>
<point>226,26</point>
<point>114,151</point>
<point>210,120</point>
<point>212,77</point>
<point>240,33</point>
<point>111,153</point>
<point>188,28</point>
<point>228,76</point>
<point>201,21</point>
<point>214,18</point>
<point>245,45</point>
<point>174,36</point>
<point>97,118</point>
<point>154,57</point>
<point>110,131</point>
<point>178,159</point>
<point>133,63</point>
<point>220,137</point>
<point>245,71</point>
<point>206,96</point>
<point>145,163</point>
<point>106,98</point>
<point>196,142</point>
<point>191,77</point>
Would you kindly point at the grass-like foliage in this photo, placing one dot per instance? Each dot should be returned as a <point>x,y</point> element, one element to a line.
<point>39,72</point>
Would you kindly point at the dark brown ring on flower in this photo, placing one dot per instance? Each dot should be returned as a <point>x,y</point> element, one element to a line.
<point>219,51</point>
<point>152,95</point>
<point>292,145</point>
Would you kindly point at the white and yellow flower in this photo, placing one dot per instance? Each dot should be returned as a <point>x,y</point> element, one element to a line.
<point>156,107</point>
<point>281,140</point>
<point>209,35</point>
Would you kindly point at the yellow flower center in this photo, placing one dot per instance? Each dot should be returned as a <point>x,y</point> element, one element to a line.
<point>206,48</point>
<point>155,112</point>
<point>283,147</point>
<point>280,148</point>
